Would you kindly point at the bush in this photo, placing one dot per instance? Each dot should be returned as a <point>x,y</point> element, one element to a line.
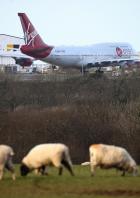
<point>77,112</point>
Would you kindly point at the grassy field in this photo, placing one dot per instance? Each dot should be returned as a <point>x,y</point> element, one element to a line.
<point>106,184</point>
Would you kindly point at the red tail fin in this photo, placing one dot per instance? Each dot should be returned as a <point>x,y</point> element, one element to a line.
<point>35,46</point>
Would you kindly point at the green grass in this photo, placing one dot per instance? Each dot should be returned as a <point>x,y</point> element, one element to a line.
<point>106,184</point>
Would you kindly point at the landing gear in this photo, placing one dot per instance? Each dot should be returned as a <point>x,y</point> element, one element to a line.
<point>83,70</point>
<point>99,71</point>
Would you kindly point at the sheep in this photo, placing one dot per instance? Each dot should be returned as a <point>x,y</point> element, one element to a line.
<point>6,155</point>
<point>40,156</point>
<point>110,156</point>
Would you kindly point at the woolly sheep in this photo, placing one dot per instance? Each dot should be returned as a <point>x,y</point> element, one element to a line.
<point>109,156</point>
<point>6,155</point>
<point>40,156</point>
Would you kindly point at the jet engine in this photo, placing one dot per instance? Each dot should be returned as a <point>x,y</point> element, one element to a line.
<point>24,61</point>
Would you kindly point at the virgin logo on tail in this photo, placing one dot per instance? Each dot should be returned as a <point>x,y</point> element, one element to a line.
<point>30,36</point>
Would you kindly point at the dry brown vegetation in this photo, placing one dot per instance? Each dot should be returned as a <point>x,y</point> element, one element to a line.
<point>77,112</point>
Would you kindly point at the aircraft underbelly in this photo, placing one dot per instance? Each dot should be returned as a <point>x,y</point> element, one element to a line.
<point>66,60</point>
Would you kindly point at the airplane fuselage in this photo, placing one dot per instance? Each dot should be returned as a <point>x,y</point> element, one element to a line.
<point>81,56</point>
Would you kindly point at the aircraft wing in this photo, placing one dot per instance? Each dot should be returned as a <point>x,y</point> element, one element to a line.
<point>119,59</point>
<point>105,61</point>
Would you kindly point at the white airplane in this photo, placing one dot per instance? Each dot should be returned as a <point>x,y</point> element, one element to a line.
<point>97,55</point>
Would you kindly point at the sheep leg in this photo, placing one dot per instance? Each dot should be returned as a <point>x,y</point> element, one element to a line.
<point>135,172</point>
<point>37,171</point>
<point>43,170</point>
<point>123,173</point>
<point>1,172</point>
<point>60,170</point>
<point>67,166</point>
<point>92,168</point>
<point>9,166</point>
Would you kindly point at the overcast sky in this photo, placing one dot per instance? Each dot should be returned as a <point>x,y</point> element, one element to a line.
<point>75,22</point>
